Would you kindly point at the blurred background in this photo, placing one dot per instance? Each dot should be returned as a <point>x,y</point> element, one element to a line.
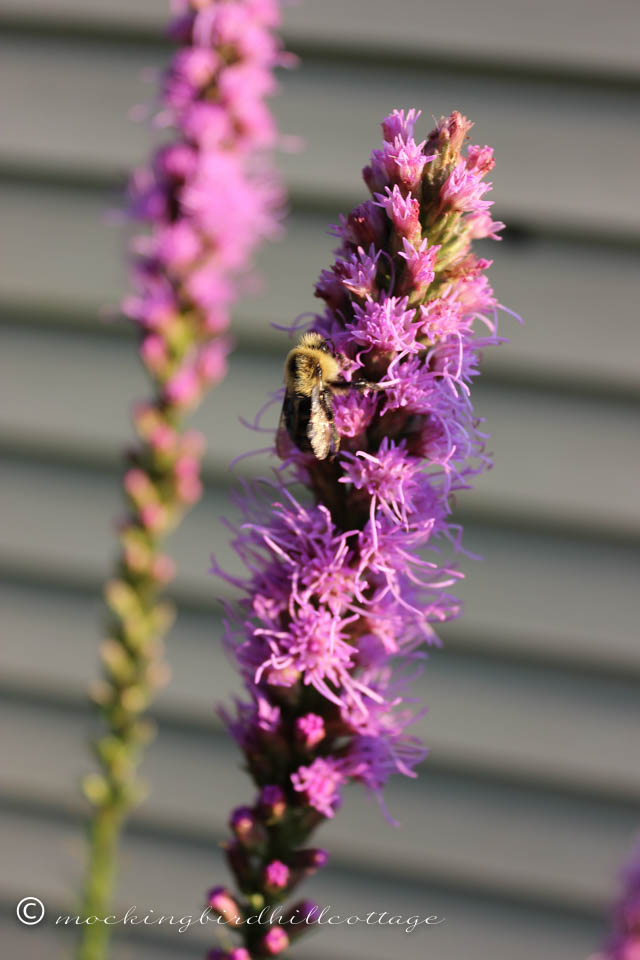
<point>530,798</point>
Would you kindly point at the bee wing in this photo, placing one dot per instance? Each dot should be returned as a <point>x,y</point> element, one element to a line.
<point>283,434</point>
<point>320,430</point>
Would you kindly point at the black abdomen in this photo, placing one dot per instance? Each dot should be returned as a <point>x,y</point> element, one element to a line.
<point>297,413</point>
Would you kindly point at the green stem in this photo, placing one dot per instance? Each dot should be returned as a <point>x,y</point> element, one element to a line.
<point>104,832</point>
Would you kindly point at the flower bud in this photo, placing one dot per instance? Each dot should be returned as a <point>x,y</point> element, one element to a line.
<point>138,486</point>
<point>136,552</point>
<point>145,418</point>
<point>188,484</point>
<point>309,730</point>
<point>122,598</point>
<point>239,862</point>
<point>220,900</point>
<point>177,160</point>
<point>163,438</point>
<point>153,352</point>
<point>275,941</point>
<point>300,917</point>
<point>154,517</point>
<point>248,830</point>
<point>309,860</point>
<point>276,876</point>
<point>365,225</point>
<point>163,569</point>
<point>212,361</point>
<point>447,138</point>
<point>183,389</point>
<point>272,803</point>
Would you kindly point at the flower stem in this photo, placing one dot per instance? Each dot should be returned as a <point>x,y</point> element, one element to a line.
<point>207,200</point>
<point>100,880</point>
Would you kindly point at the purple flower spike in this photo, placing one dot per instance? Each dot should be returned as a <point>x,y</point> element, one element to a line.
<point>346,581</point>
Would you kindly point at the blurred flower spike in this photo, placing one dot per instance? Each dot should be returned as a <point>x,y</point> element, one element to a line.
<point>208,198</point>
<point>346,581</point>
<point>623,942</point>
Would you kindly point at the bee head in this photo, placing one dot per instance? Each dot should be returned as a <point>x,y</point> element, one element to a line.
<point>315,341</point>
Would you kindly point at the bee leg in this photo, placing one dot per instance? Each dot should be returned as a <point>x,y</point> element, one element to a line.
<point>366,385</point>
<point>355,385</point>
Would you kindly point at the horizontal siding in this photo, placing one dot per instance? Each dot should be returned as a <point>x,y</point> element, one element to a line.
<point>80,122</point>
<point>564,338</point>
<point>539,34</point>
<point>550,590</point>
<point>463,832</point>
<point>544,445</point>
<point>470,925</point>
<point>57,942</point>
<point>492,735</point>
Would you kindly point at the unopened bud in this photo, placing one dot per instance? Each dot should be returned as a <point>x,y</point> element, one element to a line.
<point>249,831</point>
<point>273,942</point>
<point>220,900</point>
<point>310,730</point>
<point>300,917</point>
<point>239,862</point>
<point>276,876</point>
<point>163,568</point>
<point>272,803</point>
<point>309,860</point>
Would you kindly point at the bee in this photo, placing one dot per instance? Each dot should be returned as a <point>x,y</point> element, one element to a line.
<point>312,376</point>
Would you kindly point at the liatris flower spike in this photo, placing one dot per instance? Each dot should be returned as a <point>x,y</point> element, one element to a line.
<point>208,198</point>
<point>624,941</point>
<point>345,583</point>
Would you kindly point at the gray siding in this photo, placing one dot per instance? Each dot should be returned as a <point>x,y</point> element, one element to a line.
<point>531,794</point>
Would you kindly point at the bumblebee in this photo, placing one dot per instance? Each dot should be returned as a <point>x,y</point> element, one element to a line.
<point>312,376</point>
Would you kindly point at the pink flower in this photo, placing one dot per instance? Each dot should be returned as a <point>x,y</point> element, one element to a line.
<point>358,273</point>
<point>183,389</point>
<point>353,414</point>
<point>404,212</point>
<point>387,324</point>
<point>463,190</point>
<point>310,729</point>
<point>420,262</point>
<point>274,941</point>
<point>389,478</point>
<point>276,875</point>
<point>400,125</point>
<point>320,782</point>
